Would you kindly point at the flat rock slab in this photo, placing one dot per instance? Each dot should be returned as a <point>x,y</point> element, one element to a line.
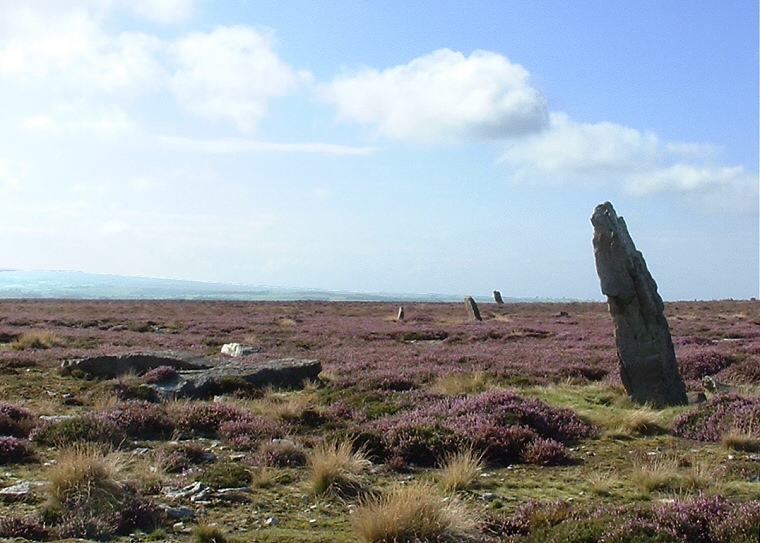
<point>200,377</point>
<point>112,366</point>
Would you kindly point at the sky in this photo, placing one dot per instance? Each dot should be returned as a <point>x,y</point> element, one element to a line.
<point>402,146</point>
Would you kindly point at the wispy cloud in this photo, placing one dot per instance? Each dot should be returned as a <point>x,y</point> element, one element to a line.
<point>235,145</point>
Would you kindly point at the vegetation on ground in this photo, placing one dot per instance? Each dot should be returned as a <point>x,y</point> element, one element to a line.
<point>434,428</point>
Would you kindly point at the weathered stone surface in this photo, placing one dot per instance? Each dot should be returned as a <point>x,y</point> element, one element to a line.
<point>497,297</point>
<point>646,356</point>
<point>203,384</point>
<point>20,492</point>
<point>472,309</point>
<point>111,366</point>
<point>198,376</point>
<point>239,349</point>
<point>400,314</point>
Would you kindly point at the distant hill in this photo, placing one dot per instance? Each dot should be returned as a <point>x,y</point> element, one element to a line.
<point>92,286</point>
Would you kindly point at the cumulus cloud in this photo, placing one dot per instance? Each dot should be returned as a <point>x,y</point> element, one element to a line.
<point>230,74</point>
<point>441,96</point>
<point>67,50</point>
<point>571,147</point>
<point>618,157</point>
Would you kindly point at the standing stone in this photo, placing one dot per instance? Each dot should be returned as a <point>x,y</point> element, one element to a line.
<point>497,297</point>
<point>646,356</point>
<point>400,315</point>
<point>472,309</point>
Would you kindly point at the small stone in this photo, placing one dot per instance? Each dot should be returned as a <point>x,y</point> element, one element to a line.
<point>271,521</point>
<point>20,492</point>
<point>239,349</point>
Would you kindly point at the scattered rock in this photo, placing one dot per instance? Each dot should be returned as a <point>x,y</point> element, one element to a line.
<point>200,377</point>
<point>20,492</point>
<point>715,387</point>
<point>178,513</point>
<point>239,349</point>
<point>472,309</point>
<point>112,366</point>
<point>646,356</point>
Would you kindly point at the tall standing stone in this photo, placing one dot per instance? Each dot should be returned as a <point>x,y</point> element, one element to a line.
<point>646,356</point>
<point>497,297</point>
<point>472,309</point>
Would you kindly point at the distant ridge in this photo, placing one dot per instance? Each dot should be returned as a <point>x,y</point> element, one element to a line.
<point>76,285</point>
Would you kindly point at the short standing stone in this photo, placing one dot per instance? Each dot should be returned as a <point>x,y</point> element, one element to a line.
<point>646,356</point>
<point>472,309</point>
<point>497,297</point>
<point>400,315</point>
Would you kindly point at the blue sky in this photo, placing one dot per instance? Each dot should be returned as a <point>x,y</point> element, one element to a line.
<point>411,147</point>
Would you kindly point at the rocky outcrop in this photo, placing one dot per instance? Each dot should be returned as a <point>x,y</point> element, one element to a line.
<point>199,377</point>
<point>111,366</point>
<point>230,376</point>
<point>646,355</point>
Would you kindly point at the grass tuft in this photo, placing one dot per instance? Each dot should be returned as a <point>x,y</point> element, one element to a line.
<point>461,470</point>
<point>413,512</point>
<point>337,468</point>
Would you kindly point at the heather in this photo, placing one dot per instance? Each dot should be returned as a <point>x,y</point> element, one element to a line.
<point>721,415</point>
<point>516,428</point>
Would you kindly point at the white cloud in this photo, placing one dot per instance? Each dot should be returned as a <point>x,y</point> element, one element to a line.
<point>65,47</point>
<point>162,11</point>
<point>441,96</point>
<point>570,147</point>
<point>617,157</point>
<point>231,146</point>
<point>713,188</point>
<point>80,118</point>
<point>230,74</point>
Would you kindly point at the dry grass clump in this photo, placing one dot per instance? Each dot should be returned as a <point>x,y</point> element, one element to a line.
<point>337,468</point>
<point>638,422</point>
<point>738,440</point>
<point>414,512</point>
<point>670,473</point>
<point>85,477</point>
<point>461,383</point>
<point>461,470</point>
<point>37,339</point>
<point>208,533</point>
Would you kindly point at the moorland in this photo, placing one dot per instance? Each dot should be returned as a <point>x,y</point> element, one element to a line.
<point>433,428</point>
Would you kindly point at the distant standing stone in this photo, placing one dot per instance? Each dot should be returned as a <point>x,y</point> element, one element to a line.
<point>646,356</point>
<point>400,315</point>
<point>497,297</point>
<point>472,309</point>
